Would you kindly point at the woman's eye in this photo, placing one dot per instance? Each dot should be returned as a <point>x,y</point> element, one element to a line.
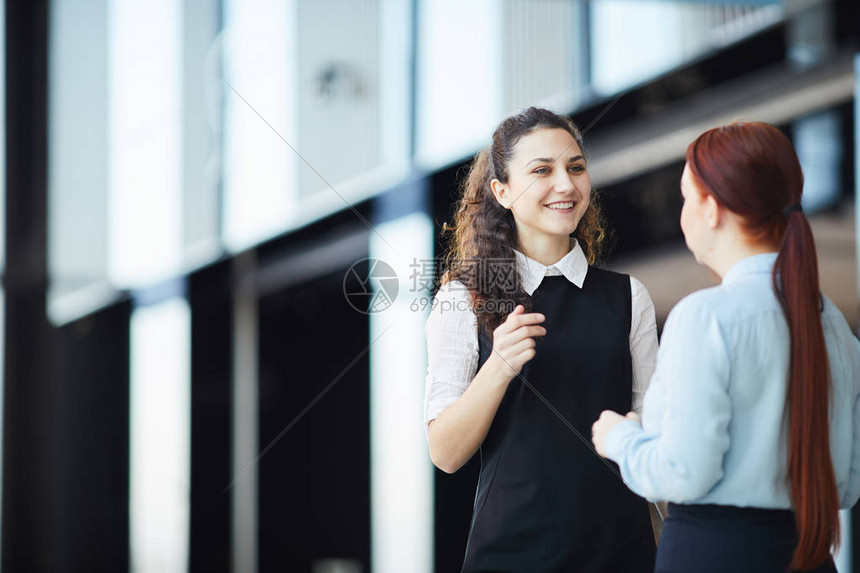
<point>577,168</point>
<point>542,170</point>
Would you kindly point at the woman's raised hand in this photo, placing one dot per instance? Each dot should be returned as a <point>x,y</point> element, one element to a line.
<point>513,341</point>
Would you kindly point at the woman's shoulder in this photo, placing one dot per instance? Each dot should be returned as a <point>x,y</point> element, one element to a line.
<point>637,288</point>
<point>836,321</point>
<point>453,290</point>
<point>729,305</point>
<point>452,302</point>
<point>699,306</point>
<point>605,272</point>
<point>612,276</point>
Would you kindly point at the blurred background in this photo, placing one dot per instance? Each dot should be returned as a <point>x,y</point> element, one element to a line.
<point>220,219</point>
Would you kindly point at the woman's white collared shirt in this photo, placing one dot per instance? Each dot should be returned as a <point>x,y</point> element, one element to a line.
<point>452,332</point>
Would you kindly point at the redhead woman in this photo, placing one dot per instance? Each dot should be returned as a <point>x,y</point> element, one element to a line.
<point>528,342</point>
<point>751,426</point>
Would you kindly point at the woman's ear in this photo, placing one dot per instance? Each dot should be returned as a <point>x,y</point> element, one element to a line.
<point>501,193</point>
<point>713,211</point>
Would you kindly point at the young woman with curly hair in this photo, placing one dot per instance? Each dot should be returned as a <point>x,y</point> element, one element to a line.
<point>751,427</point>
<point>528,342</point>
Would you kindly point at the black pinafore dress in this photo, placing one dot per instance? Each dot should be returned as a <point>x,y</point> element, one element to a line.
<point>546,502</point>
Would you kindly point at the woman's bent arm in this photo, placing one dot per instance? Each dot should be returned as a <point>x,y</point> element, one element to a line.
<point>457,433</point>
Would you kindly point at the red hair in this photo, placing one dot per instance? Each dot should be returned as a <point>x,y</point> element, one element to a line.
<point>751,169</point>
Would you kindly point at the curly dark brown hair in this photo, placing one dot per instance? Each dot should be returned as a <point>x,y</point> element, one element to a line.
<point>483,230</point>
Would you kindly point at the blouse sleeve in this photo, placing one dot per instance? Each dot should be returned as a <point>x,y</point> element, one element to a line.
<point>682,460</point>
<point>452,348</point>
<point>851,492</point>
<point>643,341</point>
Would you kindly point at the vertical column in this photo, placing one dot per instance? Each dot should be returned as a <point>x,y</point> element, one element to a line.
<point>401,473</point>
<point>244,490</point>
<point>857,164</point>
<point>211,298</point>
<point>160,426</point>
<point>29,508</point>
<point>852,538</point>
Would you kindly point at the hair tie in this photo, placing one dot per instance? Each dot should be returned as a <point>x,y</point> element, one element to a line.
<point>792,208</point>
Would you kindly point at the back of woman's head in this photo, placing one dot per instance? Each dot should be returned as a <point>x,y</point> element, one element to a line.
<point>751,169</point>
<point>484,230</point>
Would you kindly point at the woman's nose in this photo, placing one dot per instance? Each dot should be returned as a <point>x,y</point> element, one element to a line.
<point>563,182</point>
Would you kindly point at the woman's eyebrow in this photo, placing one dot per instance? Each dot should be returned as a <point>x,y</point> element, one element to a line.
<point>551,160</point>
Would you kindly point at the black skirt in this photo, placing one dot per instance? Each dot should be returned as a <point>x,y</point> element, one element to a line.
<point>720,538</point>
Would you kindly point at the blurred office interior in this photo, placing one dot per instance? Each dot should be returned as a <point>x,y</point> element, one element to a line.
<point>195,192</point>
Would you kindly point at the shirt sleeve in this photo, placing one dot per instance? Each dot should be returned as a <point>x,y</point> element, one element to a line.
<point>682,459</point>
<point>452,348</point>
<point>851,494</point>
<point>852,491</point>
<point>643,341</point>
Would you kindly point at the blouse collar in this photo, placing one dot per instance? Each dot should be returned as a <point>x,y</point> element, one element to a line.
<point>755,264</point>
<point>573,266</point>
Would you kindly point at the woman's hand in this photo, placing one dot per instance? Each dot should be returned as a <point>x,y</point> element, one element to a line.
<point>601,428</point>
<point>457,433</point>
<point>513,341</point>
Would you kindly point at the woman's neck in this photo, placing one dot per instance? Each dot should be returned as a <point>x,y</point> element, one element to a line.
<point>725,256</point>
<point>547,250</point>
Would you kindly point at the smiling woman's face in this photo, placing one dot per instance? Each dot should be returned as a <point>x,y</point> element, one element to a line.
<point>548,186</point>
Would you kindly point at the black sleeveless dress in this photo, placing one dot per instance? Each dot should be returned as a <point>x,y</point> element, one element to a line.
<point>546,502</point>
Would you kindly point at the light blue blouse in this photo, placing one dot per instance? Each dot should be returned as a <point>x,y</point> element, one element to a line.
<point>714,424</point>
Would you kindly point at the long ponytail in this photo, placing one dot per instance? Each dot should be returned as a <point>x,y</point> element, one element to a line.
<point>753,171</point>
<point>810,467</point>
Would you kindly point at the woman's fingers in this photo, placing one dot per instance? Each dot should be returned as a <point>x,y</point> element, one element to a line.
<point>508,340</point>
<point>522,356</point>
<point>514,339</point>
<point>522,346</point>
<point>528,331</point>
<point>525,356</point>
<point>519,318</point>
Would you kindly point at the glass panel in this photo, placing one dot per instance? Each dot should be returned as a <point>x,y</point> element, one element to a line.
<point>132,147</point>
<point>672,32</point>
<point>484,60</point>
<point>77,148</point>
<point>545,54</point>
<point>145,152</point>
<point>305,133</point>
<point>259,167</point>
<point>459,82</point>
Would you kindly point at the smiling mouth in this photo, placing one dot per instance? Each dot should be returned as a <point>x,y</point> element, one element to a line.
<point>561,205</point>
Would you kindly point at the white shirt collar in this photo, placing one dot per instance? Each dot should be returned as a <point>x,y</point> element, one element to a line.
<point>573,266</point>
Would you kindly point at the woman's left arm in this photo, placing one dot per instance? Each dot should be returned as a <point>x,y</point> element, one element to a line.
<point>683,460</point>
<point>851,492</point>
<point>643,341</point>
